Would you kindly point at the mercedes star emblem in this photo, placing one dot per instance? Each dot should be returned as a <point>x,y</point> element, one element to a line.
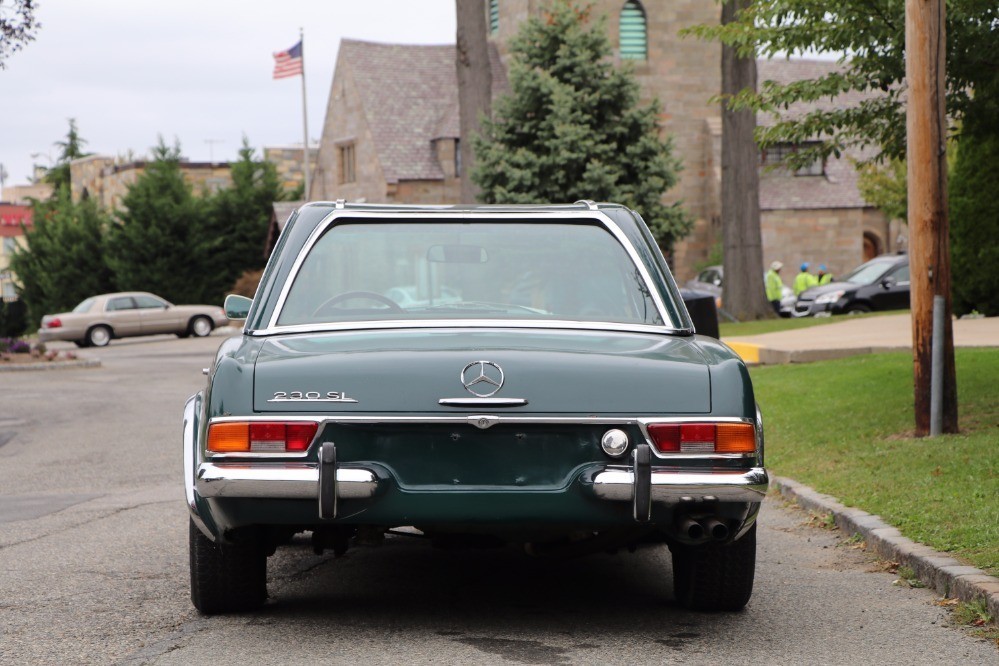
<point>485,375</point>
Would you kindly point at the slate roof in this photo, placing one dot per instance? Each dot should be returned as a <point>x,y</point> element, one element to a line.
<point>837,188</point>
<point>410,97</point>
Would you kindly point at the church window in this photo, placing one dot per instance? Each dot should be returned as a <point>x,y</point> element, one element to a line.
<point>774,156</point>
<point>633,32</point>
<point>493,17</point>
<point>347,167</point>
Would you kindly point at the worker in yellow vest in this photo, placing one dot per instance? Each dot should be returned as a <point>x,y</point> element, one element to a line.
<point>803,280</point>
<point>774,285</point>
<point>823,276</point>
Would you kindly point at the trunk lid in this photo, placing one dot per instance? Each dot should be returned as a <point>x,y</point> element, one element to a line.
<point>408,371</point>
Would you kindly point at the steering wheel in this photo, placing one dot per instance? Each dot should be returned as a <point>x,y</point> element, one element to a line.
<point>347,295</point>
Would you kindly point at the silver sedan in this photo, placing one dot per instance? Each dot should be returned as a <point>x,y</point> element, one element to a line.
<point>95,321</point>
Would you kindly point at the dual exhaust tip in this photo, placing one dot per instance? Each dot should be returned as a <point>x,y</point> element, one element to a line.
<point>703,529</point>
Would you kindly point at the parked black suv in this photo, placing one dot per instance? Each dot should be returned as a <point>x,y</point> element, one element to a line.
<point>880,284</point>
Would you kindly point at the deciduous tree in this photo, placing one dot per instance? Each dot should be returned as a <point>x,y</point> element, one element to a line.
<point>872,34</point>
<point>17,26</point>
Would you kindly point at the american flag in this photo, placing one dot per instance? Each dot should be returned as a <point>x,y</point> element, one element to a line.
<point>288,63</point>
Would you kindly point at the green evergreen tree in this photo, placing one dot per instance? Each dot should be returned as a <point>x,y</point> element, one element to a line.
<point>63,262</point>
<point>157,243</point>
<point>572,128</point>
<point>70,149</point>
<point>235,228</point>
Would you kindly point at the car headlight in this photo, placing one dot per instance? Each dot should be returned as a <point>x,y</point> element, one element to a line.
<point>830,297</point>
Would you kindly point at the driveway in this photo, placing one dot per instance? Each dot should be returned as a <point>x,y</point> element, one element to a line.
<point>853,335</point>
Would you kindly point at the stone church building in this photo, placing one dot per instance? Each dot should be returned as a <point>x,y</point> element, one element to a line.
<point>391,133</point>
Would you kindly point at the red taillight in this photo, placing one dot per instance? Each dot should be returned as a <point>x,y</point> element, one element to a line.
<point>665,436</point>
<point>260,437</point>
<point>55,322</point>
<point>703,437</point>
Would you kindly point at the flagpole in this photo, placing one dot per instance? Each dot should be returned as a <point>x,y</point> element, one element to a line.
<point>305,121</point>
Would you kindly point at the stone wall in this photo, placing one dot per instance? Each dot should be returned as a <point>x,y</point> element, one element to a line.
<point>288,161</point>
<point>830,236</point>
<point>106,180</point>
<point>346,124</point>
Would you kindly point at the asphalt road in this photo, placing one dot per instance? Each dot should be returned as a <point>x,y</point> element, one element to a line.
<point>93,565</point>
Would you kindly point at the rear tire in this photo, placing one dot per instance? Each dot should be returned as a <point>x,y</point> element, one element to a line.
<point>226,578</point>
<point>98,336</point>
<point>81,343</point>
<point>714,576</point>
<point>200,327</point>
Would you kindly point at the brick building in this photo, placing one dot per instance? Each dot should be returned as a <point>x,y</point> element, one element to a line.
<point>14,218</point>
<point>391,132</point>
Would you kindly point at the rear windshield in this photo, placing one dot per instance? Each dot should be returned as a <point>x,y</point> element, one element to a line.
<point>870,272</point>
<point>459,270</point>
<point>84,306</point>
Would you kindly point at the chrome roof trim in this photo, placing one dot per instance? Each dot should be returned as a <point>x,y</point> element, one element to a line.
<point>458,215</point>
<point>549,324</point>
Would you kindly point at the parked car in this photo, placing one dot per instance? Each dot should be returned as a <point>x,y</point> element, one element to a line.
<point>561,402</point>
<point>880,284</point>
<point>710,281</point>
<point>99,319</point>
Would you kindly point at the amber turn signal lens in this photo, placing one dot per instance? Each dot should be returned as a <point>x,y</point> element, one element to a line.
<point>228,437</point>
<point>735,438</point>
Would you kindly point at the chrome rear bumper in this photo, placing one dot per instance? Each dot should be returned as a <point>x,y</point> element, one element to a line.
<point>279,481</point>
<point>678,487</point>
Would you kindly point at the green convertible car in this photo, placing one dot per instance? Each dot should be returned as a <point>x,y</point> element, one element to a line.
<point>540,386</point>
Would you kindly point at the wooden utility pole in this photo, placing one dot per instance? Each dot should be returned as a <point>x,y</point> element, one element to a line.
<point>929,241</point>
<point>475,83</point>
<point>743,292</point>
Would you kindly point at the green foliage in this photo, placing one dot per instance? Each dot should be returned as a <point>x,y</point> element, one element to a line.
<point>70,149</point>
<point>157,244</point>
<point>63,263</point>
<point>873,33</point>
<point>571,127</point>
<point>974,226</point>
<point>235,227</point>
<point>884,187</point>
<point>13,319</point>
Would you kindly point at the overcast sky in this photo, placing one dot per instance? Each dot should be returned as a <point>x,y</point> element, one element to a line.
<point>129,70</point>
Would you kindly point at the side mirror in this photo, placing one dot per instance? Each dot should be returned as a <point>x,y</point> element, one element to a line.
<point>887,282</point>
<point>237,307</point>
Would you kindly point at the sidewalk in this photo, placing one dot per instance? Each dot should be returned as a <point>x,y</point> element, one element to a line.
<point>853,336</point>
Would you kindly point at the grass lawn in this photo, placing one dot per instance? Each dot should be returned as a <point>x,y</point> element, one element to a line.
<point>729,329</point>
<point>845,428</point>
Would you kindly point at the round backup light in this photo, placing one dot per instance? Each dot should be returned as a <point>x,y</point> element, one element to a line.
<point>614,442</point>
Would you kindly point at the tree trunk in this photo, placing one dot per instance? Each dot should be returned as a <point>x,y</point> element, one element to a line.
<point>929,238</point>
<point>474,84</point>
<point>744,296</point>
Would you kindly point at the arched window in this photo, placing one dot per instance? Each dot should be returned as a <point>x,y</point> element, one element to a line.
<point>493,17</point>
<point>633,32</point>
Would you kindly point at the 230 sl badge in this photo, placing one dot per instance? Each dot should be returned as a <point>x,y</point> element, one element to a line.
<point>310,396</point>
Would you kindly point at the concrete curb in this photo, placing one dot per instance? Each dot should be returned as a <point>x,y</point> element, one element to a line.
<point>50,365</point>
<point>755,354</point>
<point>938,571</point>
